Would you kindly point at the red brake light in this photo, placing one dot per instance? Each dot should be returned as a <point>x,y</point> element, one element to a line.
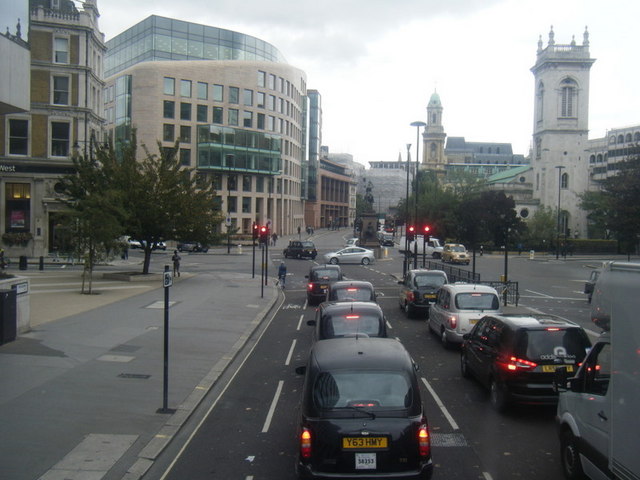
<point>424,442</point>
<point>553,329</point>
<point>453,321</point>
<point>310,286</point>
<point>513,364</point>
<point>352,289</point>
<point>410,296</point>
<point>352,317</point>
<point>305,443</point>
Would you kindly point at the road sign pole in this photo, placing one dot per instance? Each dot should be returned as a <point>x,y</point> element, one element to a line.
<point>167,282</point>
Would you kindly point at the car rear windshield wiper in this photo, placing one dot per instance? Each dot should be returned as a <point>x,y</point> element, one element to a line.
<point>358,409</point>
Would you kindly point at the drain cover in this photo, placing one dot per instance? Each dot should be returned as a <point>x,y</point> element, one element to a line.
<point>140,376</point>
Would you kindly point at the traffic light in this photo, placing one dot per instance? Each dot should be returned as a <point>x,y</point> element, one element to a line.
<point>426,230</point>
<point>411,234</point>
<point>264,234</point>
<point>255,228</point>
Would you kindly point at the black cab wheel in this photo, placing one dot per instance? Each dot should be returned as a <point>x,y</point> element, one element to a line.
<point>464,367</point>
<point>570,456</point>
<point>498,396</point>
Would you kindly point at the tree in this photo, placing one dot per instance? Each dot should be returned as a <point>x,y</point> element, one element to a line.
<point>96,209</point>
<point>542,228</point>
<point>616,208</point>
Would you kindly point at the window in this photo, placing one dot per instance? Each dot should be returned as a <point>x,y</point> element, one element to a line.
<point>246,204</point>
<point>248,97</point>
<point>202,90</point>
<point>17,207</point>
<point>18,137</point>
<point>262,78</point>
<point>201,113</point>
<point>233,117</point>
<point>246,183</point>
<point>564,181</point>
<point>168,132</point>
<point>232,182</point>
<point>272,81</point>
<point>185,88</point>
<point>61,50</point>
<point>60,90</point>
<point>60,138</point>
<point>185,111</point>
<point>232,204</point>
<point>185,157</point>
<point>259,184</point>
<point>169,109</point>
<point>272,102</point>
<point>185,134</point>
<point>234,95</point>
<point>260,100</point>
<point>217,115</point>
<point>568,92</point>
<point>169,86</point>
<point>217,93</point>
<point>247,119</point>
<point>261,121</point>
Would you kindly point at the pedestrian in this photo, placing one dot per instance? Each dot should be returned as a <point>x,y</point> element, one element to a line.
<point>125,251</point>
<point>481,250</point>
<point>274,237</point>
<point>298,232</point>
<point>282,274</point>
<point>176,263</point>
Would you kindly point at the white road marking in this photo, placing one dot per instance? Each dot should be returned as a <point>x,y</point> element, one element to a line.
<point>272,408</point>
<point>299,323</point>
<point>293,346</point>
<point>445,412</point>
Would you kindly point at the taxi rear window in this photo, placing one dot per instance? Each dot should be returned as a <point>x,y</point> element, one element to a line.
<point>352,293</point>
<point>570,344</point>
<point>477,301</point>
<point>429,280</point>
<point>329,274</point>
<point>343,324</point>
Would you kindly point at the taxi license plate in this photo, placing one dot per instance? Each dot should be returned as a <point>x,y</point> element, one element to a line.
<point>429,296</point>
<point>323,288</point>
<point>473,321</point>
<point>366,461</point>
<point>364,442</point>
<point>552,368</point>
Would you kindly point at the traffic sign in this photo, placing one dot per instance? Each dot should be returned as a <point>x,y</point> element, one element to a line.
<point>167,279</point>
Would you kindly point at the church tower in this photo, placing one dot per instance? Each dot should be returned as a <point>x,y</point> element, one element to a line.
<point>433,137</point>
<point>560,130</point>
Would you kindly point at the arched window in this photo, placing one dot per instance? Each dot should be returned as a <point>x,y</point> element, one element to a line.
<point>568,93</point>
<point>564,181</point>
<point>628,138</point>
<point>636,137</point>
<point>620,138</point>
<point>592,159</point>
<point>540,100</point>
<point>599,160</point>
<point>612,140</point>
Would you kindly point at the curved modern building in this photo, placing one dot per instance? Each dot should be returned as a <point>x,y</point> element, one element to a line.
<point>237,108</point>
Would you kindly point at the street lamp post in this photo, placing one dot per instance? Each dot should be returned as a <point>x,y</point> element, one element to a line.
<point>417,124</point>
<point>559,167</point>
<point>406,216</point>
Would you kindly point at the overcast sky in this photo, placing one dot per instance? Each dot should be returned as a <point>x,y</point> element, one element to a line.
<point>377,62</point>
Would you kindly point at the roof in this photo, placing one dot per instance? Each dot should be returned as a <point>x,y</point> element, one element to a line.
<point>541,321</point>
<point>507,175</point>
<point>348,307</point>
<point>470,287</point>
<point>370,353</point>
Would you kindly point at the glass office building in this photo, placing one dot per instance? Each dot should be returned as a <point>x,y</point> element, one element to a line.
<point>161,38</point>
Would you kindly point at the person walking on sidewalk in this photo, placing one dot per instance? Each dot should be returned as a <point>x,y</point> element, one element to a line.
<point>282,274</point>
<point>176,263</point>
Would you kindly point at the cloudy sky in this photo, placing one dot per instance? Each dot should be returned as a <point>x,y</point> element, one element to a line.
<point>377,62</point>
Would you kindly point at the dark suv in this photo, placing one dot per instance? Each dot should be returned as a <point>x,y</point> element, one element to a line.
<point>419,290</point>
<point>361,413</point>
<point>515,356</point>
<point>300,249</point>
<point>320,277</point>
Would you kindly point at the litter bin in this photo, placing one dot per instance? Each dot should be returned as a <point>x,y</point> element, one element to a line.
<point>23,262</point>
<point>8,319</point>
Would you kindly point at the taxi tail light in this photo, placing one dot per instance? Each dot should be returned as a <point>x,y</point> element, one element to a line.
<point>424,441</point>
<point>515,364</point>
<point>310,286</point>
<point>411,296</point>
<point>453,322</point>
<point>352,317</point>
<point>305,443</point>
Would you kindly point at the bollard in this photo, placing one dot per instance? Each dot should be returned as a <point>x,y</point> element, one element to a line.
<point>532,254</point>
<point>23,262</point>
<point>41,264</point>
<point>240,249</point>
<point>386,252</point>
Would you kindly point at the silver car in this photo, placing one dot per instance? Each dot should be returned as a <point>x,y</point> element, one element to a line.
<point>360,255</point>
<point>458,308</point>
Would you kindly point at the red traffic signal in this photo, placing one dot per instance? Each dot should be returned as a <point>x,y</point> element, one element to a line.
<point>411,233</point>
<point>427,229</point>
<point>264,234</point>
<point>255,230</point>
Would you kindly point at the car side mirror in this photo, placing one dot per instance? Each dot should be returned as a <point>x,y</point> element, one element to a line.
<point>301,370</point>
<point>311,323</point>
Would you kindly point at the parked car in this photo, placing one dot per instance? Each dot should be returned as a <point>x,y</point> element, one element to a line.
<point>590,284</point>
<point>455,253</point>
<point>351,291</point>
<point>352,242</point>
<point>360,255</point>
<point>515,356</point>
<point>458,308</point>
<point>361,413</point>
<point>319,279</point>
<point>341,319</point>
<point>300,249</point>
<point>418,290</point>
<point>191,246</point>
<point>133,243</point>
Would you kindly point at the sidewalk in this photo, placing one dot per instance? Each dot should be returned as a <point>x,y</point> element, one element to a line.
<point>81,392</point>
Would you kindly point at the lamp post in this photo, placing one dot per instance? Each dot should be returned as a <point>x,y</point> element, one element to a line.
<point>559,167</point>
<point>406,215</point>
<point>417,124</point>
